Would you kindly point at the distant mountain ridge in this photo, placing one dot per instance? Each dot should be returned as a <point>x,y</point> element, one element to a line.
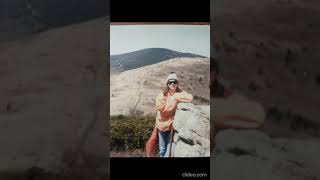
<point>136,59</point>
<point>22,18</point>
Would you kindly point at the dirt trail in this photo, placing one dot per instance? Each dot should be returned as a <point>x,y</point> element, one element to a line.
<point>142,82</point>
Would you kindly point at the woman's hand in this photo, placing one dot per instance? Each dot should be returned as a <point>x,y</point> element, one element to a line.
<point>161,103</point>
<point>169,111</point>
<point>175,103</point>
<point>177,100</point>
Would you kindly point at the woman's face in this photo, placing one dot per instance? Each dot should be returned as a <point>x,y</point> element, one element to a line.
<point>172,84</point>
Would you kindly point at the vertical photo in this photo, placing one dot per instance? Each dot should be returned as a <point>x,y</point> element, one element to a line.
<point>159,90</point>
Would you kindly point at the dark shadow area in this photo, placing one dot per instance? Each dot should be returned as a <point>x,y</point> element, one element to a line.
<point>266,91</point>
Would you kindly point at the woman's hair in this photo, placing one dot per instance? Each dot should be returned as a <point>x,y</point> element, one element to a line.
<point>166,90</point>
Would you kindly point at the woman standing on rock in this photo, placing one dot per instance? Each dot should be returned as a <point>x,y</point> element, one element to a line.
<point>166,104</point>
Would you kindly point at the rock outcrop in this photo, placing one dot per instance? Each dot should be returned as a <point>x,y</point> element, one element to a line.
<point>251,154</point>
<point>237,111</point>
<point>192,125</point>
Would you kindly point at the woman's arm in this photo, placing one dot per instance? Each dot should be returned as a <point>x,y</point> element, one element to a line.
<point>184,97</point>
<point>187,100</point>
<point>161,107</point>
<point>160,102</point>
<point>169,110</point>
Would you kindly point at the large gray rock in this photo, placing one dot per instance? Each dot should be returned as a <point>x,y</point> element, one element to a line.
<point>192,125</point>
<point>251,154</point>
<point>237,111</point>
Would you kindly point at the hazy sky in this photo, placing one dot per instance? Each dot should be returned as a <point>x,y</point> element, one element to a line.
<point>183,38</point>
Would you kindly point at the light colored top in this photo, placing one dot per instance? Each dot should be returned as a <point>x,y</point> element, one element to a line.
<point>165,108</point>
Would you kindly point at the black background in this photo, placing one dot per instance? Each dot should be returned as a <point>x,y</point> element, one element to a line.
<point>158,168</point>
<point>160,11</point>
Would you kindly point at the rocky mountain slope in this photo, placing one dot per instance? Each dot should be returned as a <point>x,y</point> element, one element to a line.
<point>272,56</point>
<point>268,52</point>
<point>53,100</point>
<point>251,154</point>
<point>134,91</point>
<point>22,18</point>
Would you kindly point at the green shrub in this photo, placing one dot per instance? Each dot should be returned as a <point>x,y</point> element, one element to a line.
<point>130,132</point>
<point>200,99</point>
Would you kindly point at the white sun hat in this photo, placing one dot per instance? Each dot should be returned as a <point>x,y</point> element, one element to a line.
<point>172,76</point>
